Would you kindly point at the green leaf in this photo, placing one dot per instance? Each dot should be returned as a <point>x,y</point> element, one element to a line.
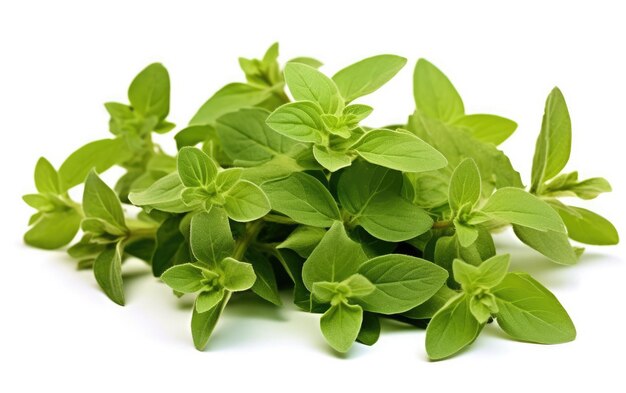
<point>341,324</point>
<point>247,139</point>
<point>529,312</point>
<point>202,324</point>
<point>46,178</point>
<point>245,201</point>
<point>551,244</point>
<point>238,276</point>
<point>307,60</point>
<point>430,307</point>
<point>435,96</point>
<point>519,207</point>
<point>107,269</point>
<point>335,258</point>
<point>265,285</point>
<point>99,201</point>
<point>397,150</point>
<point>211,238</point>
<point>149,92</point>
<point>487,128</point>
<point>588,227</point>
<point>99,156</point>
<point>171,246</point>
<point>195,168</point>
<point>567,184</point>
<point>457,144</point>
<point>466,234</point>
<point>486,275</point>
<point>301,121</point>
<point>370,329</point>
<point>331,159</point>
<point>185,278</point>
<point>226,179</point>
<point>554,142</point>
<point>304,199</point>
<point>402,282</point>
<point>53,230</point>
<point>207,300</point>
<point>447,248</point>
<point>164,195</point>
<point>371,194</point>
<point>367,76</point>
<point>303,240</point>
<point>464,185</point>
<point>451,329</point>
<point>228,99</point>
<point>308,84</point>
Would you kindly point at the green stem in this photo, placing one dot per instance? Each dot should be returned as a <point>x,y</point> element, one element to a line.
<point>241,245</point>
<point>443,224</point>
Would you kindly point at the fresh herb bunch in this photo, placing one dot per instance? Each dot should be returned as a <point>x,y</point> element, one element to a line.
<point>364,223</point>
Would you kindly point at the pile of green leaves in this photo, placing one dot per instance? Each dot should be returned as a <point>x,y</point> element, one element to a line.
<point>268,192</point>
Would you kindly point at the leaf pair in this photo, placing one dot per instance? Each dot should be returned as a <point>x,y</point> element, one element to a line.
<point>200,184</point>
<point>215,275</point>
<point>339,273</point>
<point>523,308</point>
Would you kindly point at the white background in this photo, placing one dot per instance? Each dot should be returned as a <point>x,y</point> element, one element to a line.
<point>61,60</point>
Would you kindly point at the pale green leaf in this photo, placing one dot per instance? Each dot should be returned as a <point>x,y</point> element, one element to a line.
<point>367,76</point>
<point>435,96</point>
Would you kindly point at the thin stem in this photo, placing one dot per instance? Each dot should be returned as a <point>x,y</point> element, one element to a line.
<point>241,245</point>
<point>442,224</point>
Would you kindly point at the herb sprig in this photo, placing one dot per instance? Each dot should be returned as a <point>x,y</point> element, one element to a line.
<point>268,191</point>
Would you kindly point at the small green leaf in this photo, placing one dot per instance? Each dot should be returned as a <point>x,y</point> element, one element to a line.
<point>331,159</point>
<point>47,178</point>
<point>367,76</point>
<point>466,234</point>
<point>359,286</point>
<point>529,312</point>
<point>207,300</point>
<point>107,269</point>
<point>304,199</point>
<point>464,185</point>
<point>211,238</point>
<point>149,92</point>
<point>226,179</point>
<point>435,96</point>
<point>53,230</point>
<point>185,278</point>
<point>371,194</point>
<point>238,276</point>
<point>99,156</point>
<point>554,142</point>
<point>301,121</point>
<point>588,227</point>
<point>99,201</point>
<point>164,194</point>
<point>451,329</point>
<point>245,201</point>
<point>229,99</point>
<point>202,324</point>
<point>397,150</point>
<point>303,240</point>
<point>519,207</point>
<point>171,246</point>
<point>402,282</point>
<point>551,244</point>
<point>430,307</point>
<point>265,285</point>
<point>308,84</point>
<point>370,329</point>
<point>335,258</point>
<point>486,275</point>
<point>195,168</point>
<point>341,324</point>
<point>487,128</point>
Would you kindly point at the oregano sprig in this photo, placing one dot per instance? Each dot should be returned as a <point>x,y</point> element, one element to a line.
<point>278,182</point>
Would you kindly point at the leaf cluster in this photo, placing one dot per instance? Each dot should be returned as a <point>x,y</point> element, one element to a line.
<point>278,183</point>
